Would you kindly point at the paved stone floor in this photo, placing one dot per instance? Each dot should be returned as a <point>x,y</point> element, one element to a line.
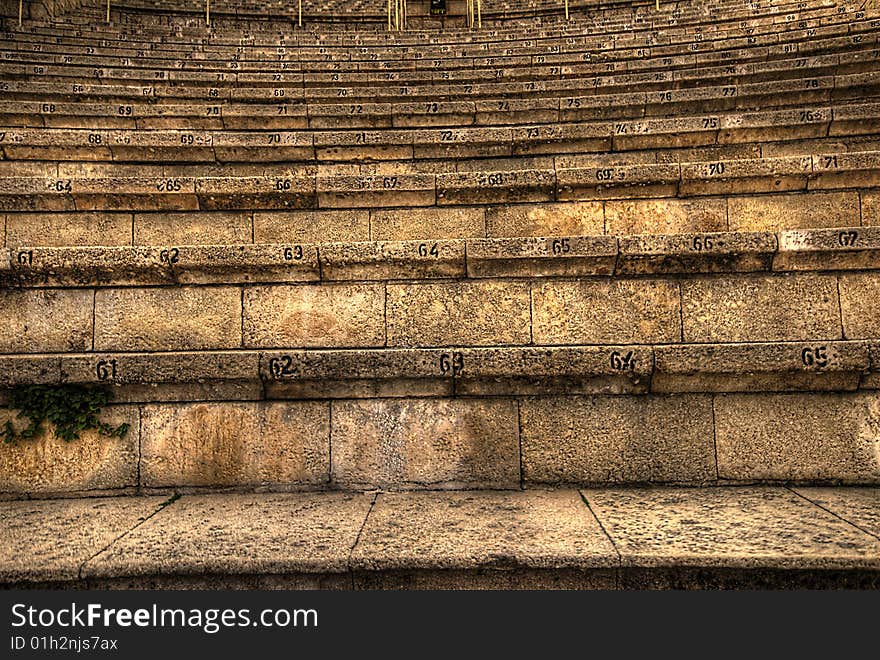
<point>722,537</point>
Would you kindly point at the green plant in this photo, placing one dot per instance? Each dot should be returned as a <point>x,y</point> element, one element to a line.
<point>71,408</point>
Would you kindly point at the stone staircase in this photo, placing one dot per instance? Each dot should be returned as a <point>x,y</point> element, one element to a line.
<point>548,304</point>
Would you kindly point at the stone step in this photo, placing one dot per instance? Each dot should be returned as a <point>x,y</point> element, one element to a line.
<point>601,140</point>
<point>839,249</point>
<point>774,213</point>
<point>296,190</point>
<point>290,374</point>
<point>770,537</point>
<point>518,310</point>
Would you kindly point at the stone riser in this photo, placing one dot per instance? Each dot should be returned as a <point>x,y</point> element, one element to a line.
<point>463,442</point>
<point>522,307</point>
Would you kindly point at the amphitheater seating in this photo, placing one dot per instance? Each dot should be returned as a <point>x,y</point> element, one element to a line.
<point>636,248</point>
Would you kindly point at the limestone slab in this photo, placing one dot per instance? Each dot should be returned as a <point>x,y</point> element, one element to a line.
<point>29,370</point>
<point>163,319</point>
<point>722,252</point>
<point>742,308</point>
<point>48,465</point>
<point>601,439</point>
<point>664,216</point>
<point>393,260</point>
<point>311,226</point>
<point>423,443</point>
<point>340,315</point>
<point>358,373</point>
<point>96,266</point>
<point>858,506</point>
<point>759,367</point>
<point>48,540</point>
<point>729,527</point>
<point>858,304</point>
<point>240,534</point>
<point>798,437</point>
<point>541,257</point>
<point>232,264</point>
<point>459,313</point>
<point>495,187</point>
<point>191,228</point>
<point>605,312</point>
<point>49,229</point>
<point>794,211</point>
<point>853,248</point>
<point>486,530</point>
<point>548,219</point>
<point>870,208</point>
<point>427,223</point>
<point>235,444</point>
<point>45,321</point>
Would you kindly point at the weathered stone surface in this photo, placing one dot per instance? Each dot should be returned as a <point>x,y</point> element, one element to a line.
<point>235,444</point>
<point>858,506</point>
<point>853,248</point>
<point>665,216</point>
<point>539,370</point>
<point>798,437</point>
<point>49,540</point>
<point>314,316</point>
<point>91,265</point>
<point>605,312</point>
<point>311,226</point>
<point>48,229</point>
<point>728,527</point>
<point>287,191</point>
<point>191,228</point>
<point>165,319</point>
<point>495,187</point>
<point>550,219</point>
<point>470,530</point>
<point>468,313</point>
<point>392,260</point>
<point>360,373</point>
<point>760,308</point>
<point>45,321</point>
<point>846,170</point>
<point>240,535</point>
<point>618,181</point>
<point>764,175</point>
<point>859,293</point>
<point>230,264</point>
<point>424,443</point>
<point>796,211</point>
<point>27,370</point>
<point>47,465</point>
<point>541,257</point>
<point>371,191</point>
<point>871,380</point>
<point>870,208</point>
<point>479,578</point>
<point>759,367</point>
<point>425,223</point>
<point>696,253</point>
<point>160,368</point>
<point>602,439</point>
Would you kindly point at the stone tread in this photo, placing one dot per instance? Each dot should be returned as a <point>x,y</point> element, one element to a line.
<point>603,538</point>
<point>294,373</point>
<point>839,249</point>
